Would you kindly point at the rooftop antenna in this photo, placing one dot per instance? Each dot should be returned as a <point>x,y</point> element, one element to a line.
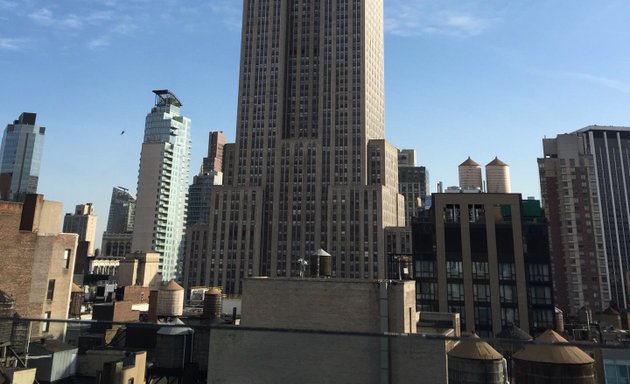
<point>303,263</point>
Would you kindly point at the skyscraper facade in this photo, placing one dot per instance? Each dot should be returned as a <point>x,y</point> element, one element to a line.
<point>570,194</point>
<point>20,157</point>
<point>210,174</point>
<point>117,238</point>
<point>413,182</point>
<point>310,167</point>
<point>122,210</point>
<point>163,184</point>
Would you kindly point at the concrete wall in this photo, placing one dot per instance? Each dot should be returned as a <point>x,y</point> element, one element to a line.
<point>415,359</point>
<point>269,357</point>
<point>327,304</point>
<point>238,356</point>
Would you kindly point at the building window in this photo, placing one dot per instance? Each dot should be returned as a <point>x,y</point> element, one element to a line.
<point>509,316</point>
<point>455,292</point>
<point>66,258</point>
<point>543,318</point>
<point>538,272</point>
<point>507,293</point>
<point>483,316</point>
<point>480,270</point>
<point>425,269</point>
<point>46,324</point>
<point>481,293</point>
<point>540,295</point>
<point>506,271</point>
<point>454,270</point>
<point>427,291</point>
<point>51,290</point>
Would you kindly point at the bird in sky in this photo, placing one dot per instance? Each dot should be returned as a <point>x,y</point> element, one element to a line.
<point>122,133</point>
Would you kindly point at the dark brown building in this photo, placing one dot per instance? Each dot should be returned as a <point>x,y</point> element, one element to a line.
<point>485,256</point>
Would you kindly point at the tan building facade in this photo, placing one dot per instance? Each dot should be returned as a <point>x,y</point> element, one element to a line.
<point>37,261</point>
<point>310,168</point>
<point>83,223</point>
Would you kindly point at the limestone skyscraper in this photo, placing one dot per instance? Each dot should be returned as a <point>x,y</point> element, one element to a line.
<point>310,167</point>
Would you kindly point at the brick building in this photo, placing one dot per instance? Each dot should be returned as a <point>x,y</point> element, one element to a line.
<point>37,261</point>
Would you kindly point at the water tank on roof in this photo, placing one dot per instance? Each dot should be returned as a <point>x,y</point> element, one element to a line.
<point>550,360</point>
<point>213,303</point>
<point>321,264</point>
<point>175,347</point>
<point>170,302</point>
<point>475,361</point>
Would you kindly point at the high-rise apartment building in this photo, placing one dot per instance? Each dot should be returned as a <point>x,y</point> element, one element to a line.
<point>20,157</point>
<point>163,184</point>
<point>210,174</point>
<point>585,183</point>
<point>310,167</point>
<point>485,256</point>
<point>83,223</point>
<point>569,191</point>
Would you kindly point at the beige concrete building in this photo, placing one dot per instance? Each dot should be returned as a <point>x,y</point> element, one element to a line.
<point>337,335</point>
<point>83,223</point>
<point>139,269</point>
<point>37,261</point>
<point>310,167</point>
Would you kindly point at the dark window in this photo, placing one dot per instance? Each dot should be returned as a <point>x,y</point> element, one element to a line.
<point>505,241</point>
<point>51,290</point>
<point>453,240</point>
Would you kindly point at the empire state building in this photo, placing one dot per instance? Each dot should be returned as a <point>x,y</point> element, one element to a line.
<point>310,167</point>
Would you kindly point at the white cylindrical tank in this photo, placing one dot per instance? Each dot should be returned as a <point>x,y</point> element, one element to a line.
<point>170,300</point>
<point>498,177</point>
<point>469,175</point>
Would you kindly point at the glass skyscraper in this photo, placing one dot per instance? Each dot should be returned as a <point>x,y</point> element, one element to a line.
<point>163,184</point>
<point>20,157</point>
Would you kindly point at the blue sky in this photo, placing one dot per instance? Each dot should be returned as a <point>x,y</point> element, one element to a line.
<point>463,78</point>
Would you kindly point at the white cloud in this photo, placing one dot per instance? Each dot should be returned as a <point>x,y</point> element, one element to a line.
<point>99,42</point>
<point>42,16</point>
<point>11,43</point>
<point>437,17</point>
